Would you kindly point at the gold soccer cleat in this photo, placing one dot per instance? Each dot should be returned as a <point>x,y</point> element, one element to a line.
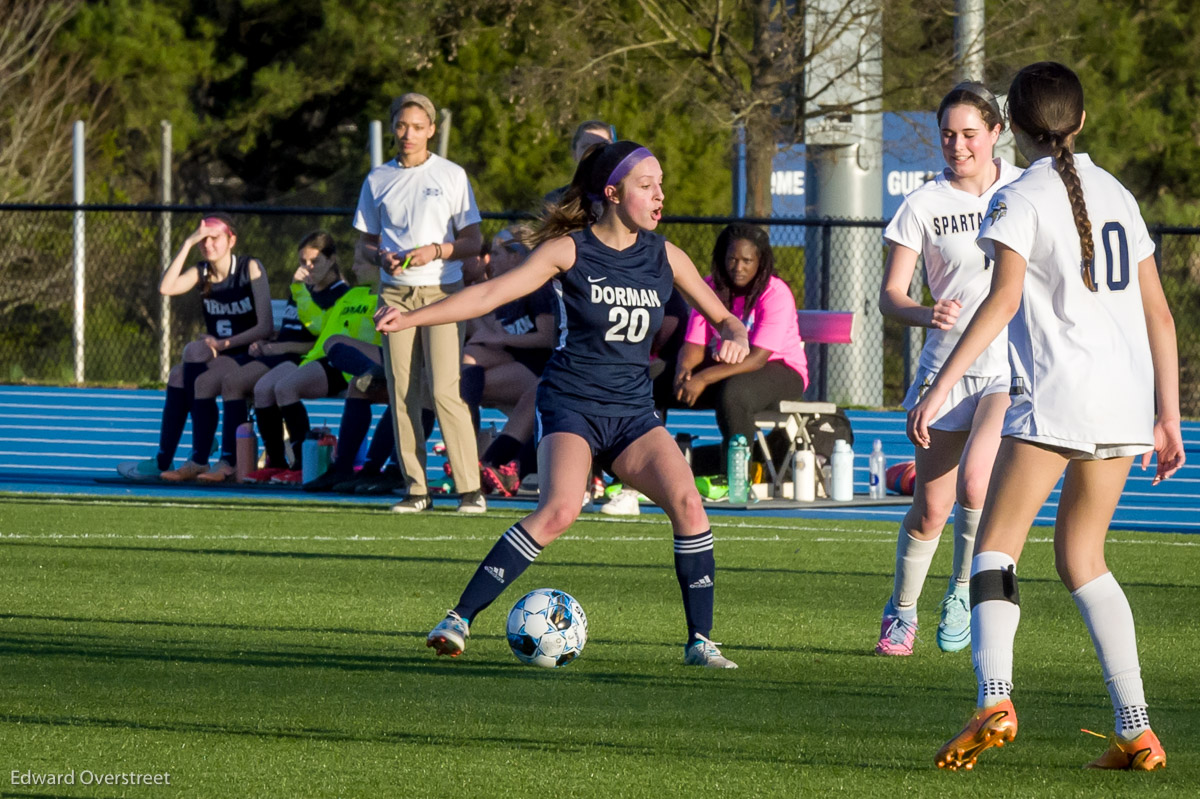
<point>990,726</point>
<point>1143,753</point>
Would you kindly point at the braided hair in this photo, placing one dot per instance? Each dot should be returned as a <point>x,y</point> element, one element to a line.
<point>1045,101</point>
<point>723,285</point>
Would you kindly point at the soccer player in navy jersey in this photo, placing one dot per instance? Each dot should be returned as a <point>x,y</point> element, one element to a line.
<point>236,301</point>
<point>612,277</point>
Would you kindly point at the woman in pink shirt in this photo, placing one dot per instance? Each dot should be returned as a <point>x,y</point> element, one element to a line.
<point>743,277</point>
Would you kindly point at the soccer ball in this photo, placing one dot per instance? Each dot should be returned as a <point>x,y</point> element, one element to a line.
<point>547,628</point>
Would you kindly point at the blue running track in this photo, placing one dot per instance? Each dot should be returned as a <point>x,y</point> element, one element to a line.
<point>70,440</point>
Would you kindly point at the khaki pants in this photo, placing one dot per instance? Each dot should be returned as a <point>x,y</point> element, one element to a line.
<point>426,361</point>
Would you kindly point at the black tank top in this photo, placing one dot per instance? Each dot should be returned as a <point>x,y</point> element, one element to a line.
<point>229,307</point>
<point>610,305</point>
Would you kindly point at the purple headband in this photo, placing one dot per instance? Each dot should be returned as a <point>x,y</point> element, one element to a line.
<point>626,166</point>
<point>622,169</point>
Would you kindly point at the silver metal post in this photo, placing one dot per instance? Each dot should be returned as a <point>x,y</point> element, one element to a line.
<point>77,249</point>
<point>444,132</point>
<point>968,40</point>
<point>375,142</point>
<point>164,254</point>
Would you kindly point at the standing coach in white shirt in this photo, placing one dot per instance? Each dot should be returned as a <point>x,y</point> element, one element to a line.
<point>418,220</point>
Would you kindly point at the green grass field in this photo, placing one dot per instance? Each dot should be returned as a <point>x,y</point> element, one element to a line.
<point>278,651</point>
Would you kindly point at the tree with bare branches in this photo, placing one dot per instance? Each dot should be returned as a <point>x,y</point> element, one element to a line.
<point>42,91</point>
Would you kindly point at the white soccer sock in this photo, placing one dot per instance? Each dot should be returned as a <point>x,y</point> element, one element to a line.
<point>993,628</point>
<point>1109,620</point>
<point>966,522</point>
<point>913,557</point>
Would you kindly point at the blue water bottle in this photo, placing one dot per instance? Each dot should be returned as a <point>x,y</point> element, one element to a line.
<point>738,470</point>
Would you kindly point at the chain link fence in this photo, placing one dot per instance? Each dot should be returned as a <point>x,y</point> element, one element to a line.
<point>830,264</point>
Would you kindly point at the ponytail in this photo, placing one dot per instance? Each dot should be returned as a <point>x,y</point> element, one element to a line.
<point>574,210</point>
<point>1064,164</point>
<point>1045,101</point>
<point>582,204</point>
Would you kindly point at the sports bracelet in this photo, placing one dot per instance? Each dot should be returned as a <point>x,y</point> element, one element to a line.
<point>438,247</point>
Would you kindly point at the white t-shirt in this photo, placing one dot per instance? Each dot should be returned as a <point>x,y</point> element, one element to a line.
<point>1080,360</point>
<point>940,222</point>
<point>410,207</point>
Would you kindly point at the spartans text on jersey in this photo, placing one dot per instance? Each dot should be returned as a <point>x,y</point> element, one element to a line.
<point>957,223</point>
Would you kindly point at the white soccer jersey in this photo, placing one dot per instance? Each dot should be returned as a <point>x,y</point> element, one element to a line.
<point>1082,374</point>
<point>941,222</point>
<point>410,207</point>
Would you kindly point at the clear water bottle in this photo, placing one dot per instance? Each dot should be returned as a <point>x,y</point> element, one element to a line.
<point>878,468</point>
<point>842,464</point>
<point>738,470</point>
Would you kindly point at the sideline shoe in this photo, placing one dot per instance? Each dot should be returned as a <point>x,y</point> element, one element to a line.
<point>624,503</point>
<point>389,481</point>
<point>990,726</point>
<point>954,627</point>
<point>413,503</point>
<point>263,475</point>
<point>896,634</point>
<point>703,652</point>
<point>450,636</point>
<point>472,502</point>
<point>502,480</point>
<point>292,477</point>
<point>190,470</point>
<point>140,470</point>
<point>326,482</point>
<point>1143,753</point>
<point>218,474</point>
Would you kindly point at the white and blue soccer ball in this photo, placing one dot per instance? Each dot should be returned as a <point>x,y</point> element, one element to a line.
<point>547,628</point>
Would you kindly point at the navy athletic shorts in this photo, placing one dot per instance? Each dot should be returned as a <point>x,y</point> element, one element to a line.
<point>607,436</point>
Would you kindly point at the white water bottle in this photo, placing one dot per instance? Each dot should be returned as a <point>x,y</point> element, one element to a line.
<point>843,471</point>
<point>804,475</point>
<point>878,468</point>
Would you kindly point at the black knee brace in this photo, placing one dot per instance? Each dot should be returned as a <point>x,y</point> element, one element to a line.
<point>995,584</point>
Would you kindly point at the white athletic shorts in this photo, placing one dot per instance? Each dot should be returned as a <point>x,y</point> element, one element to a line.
<point>1083,451</point>
<point>959,411</point>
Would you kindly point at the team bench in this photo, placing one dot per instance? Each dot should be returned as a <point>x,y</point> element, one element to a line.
<point>794,416</point>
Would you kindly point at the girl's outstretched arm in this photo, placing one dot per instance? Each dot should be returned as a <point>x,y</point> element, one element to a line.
<point>547,261</point>
<point>735,345</point>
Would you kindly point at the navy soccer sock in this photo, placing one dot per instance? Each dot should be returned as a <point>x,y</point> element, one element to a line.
<point>383,444</point>
<point>295,419</point>
<point>428,420</point>
<point>270,429</point>
<point>174,419</point>
<point>527,459</point>
<point>470,388</point>
<point>507,561</point>
<point>695,569</point>
<point>235,414</point>
<point>353,429</point>
<point>204,428</point>
<point>353,361</point>
<point>504,449</point>
<point>191,371</point>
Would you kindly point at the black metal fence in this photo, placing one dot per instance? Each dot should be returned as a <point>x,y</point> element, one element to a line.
<point>123,339</point>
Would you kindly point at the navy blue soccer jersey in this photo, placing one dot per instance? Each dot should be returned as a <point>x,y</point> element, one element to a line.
<point>229,305</point>
<point>610,305</point>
